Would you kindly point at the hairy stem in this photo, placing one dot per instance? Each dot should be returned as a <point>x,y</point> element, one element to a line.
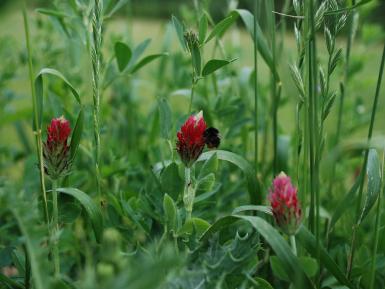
<point>189,194</point>
<point>55,229</point>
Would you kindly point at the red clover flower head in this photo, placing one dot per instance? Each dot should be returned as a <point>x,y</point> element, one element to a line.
<point>191,141</point>
<point>56,151</point>
<point>284,203</point>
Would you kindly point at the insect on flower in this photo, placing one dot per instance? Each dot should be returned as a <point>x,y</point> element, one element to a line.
<point>212,137</point>
<point>191,141</point>
<point>56,151</point>
<point>284,203</point>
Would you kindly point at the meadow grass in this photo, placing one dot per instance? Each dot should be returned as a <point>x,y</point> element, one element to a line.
<point>172,157</point>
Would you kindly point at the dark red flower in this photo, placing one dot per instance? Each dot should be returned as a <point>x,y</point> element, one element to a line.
<point>191,141</point>
<point>56,150</point>
<point>284,204</point>
<point>59,130</point>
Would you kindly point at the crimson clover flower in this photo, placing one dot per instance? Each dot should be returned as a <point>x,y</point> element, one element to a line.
<point>56,153</point>
<point>191,141</point>
<point>285,205</point>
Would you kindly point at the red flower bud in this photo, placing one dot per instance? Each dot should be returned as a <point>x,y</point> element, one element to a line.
<point>284,203</point>
<point>56,152</point>
<point>191,139</point>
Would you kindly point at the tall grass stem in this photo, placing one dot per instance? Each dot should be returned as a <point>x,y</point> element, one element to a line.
<point>96,58</point>
<point>363,169</point>
<point>255,87</point>
<point>37,132</point>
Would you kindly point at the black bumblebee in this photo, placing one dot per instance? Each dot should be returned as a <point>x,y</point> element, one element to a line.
<point>212,137</point>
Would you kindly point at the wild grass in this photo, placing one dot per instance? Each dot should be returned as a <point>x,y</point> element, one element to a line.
<point>151,205</point>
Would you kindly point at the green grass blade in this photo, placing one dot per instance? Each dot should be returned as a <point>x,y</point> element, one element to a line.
<point>221,27</point>
<point>253,186</point>
<point>54,72</point>
<point>147,60</point>
<point>93,211</point>
<point>179,31</point>
<point>77,134</point>
<point>373,171</point>
<point>308,241</point>
<point>263,47</point>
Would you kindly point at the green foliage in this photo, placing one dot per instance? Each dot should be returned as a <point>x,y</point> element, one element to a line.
<point>123,221</point>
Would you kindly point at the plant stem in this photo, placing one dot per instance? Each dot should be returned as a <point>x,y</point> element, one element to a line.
<point>255,88</point>
<point>314,130</point>
<point>274,86</point>
<point>343,88</point>
<point>95,57</point>
<point>376,231</point>
<point>293,244</point>
<point>192,93</point>
<point>37,129</point>
<point>189,194</point>
<point>55,229</point>
<point>363,169</point>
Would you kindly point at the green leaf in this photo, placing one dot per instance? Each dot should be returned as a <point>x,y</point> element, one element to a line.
<point>283,251</point>
<point>196,59</point>
<point>197,224</point>
<point>203,24</point>
<point>253,187</point>
<point>373,171</point>
<point>309,265</point>
<point>147,60</point>
<point>260,283</point>
<point>119,4</point>
<point>170,212</point>
<point>308,241</point>
<point>30,238</point>
<point>179,31</point>
<point>206,183</point>
<point>221,27</point>
<point>164,118</point>
<point>171,182</point>
<point>213,65</point>
<point>123,55</point>
<point>346,203</point>
<point>93,211</point>
<point>51,12</point>
<point>263,209</point>
<point>138,51</point>
<point>210,166</point>
<point>278,269</point>
<point>54,72</point>
<point>201,197</point>
<point>76,135</point>
<point>40,93</point>
<point>263,47</point>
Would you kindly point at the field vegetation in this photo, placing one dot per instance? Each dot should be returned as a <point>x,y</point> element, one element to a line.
<point>192,144</point>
